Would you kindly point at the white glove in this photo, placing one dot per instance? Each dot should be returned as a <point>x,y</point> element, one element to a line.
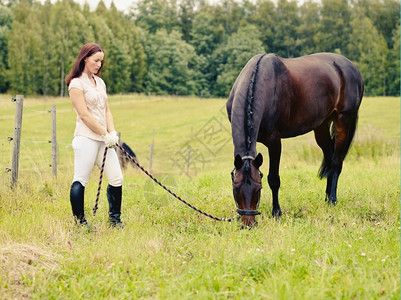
<point>114,134</point>
<point>110,140</point>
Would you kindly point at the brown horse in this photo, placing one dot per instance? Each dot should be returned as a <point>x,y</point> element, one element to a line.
<point>275,98</point>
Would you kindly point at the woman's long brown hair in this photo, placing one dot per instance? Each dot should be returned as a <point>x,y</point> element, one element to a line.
<point>79,65</point>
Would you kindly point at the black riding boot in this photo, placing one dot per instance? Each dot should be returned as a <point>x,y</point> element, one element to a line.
<point>77,193</point>
<point>114,195</point>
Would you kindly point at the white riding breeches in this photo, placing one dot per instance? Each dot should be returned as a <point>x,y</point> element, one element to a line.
<point>87,153</point>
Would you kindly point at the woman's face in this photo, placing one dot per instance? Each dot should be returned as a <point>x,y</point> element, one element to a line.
<point>93,63</point>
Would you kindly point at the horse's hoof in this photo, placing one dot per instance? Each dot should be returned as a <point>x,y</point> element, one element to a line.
<point>331,202</point>
<point>276,213</point>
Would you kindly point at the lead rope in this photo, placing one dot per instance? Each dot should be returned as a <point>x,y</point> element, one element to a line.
<point>100,181</point>
<point>164,187</point>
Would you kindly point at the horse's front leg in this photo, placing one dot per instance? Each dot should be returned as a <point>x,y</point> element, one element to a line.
<point>274,178</point>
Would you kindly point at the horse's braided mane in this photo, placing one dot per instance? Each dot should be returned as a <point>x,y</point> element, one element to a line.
<point>248,108</point>
<point>249,119</point>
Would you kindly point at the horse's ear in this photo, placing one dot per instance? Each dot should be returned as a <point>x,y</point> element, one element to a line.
<point>258,161</point>
<point>238,163</point>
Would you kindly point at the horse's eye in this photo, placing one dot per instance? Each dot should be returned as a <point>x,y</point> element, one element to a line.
<point>236,186</point>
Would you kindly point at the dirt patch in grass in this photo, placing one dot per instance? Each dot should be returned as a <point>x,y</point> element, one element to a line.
<point>19,266</point>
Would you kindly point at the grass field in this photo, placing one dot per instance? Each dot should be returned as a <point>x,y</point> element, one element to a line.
<point>167,250</point>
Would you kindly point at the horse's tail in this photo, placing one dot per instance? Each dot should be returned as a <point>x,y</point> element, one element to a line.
<point>128,149</point>
<point>324,169</point>
<point>122,157</point>
<point>351,122</point>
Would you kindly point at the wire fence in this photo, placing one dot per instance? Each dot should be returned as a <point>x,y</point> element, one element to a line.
<point>205,146</point>
<point>12,143</point>
<point>188,156</point>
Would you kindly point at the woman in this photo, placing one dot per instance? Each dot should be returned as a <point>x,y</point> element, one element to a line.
<point>93,132</point>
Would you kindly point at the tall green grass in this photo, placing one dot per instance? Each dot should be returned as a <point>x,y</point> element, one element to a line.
<point>167,250</point>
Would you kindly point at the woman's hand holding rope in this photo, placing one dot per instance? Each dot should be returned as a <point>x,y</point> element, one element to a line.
<point>110,139</point>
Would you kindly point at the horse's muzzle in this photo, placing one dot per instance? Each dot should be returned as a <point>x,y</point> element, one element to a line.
<point>248,221</point>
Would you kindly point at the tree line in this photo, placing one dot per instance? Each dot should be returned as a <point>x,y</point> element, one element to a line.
<point>191,47</point>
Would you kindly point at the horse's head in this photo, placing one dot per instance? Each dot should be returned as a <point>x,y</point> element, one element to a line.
<point>247,185</point>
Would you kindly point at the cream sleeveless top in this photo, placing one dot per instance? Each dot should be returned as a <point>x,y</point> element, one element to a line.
<point>95,99</point>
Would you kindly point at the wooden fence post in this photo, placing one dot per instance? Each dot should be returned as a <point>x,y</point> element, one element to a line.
<point>17,139</point>
<point>188,159</point>
<point>151,151</point>
<point>54,141</point>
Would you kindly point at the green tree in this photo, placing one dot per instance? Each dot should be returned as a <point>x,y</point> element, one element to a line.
<point>186,17</point>
<point>170,64</point>
<point>264,19</point>
<point>394,68</point>
<point>335,29</point>
<point>8,3</point>
<point>50,79</point>
<point>232,57</point>
<point>207,35</point>
<point>308,28</point>
<point>24,50</point>
<point>6,19</point>
<point>385,15</point>
<point>102,34</point>
<point>39,41</point>
<point>285,35</point>
<point>119,62</point>
<point>129,36</point>
<point>44,41</point>
<point>109,32</point>
<point>229,14</point>
<point>152,15</point>
<point>373,52</point>
<point>71,31</point>
<point>125,58</point>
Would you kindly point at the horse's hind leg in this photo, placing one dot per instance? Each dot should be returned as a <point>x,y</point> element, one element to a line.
<point>345,126</point>
<point>326,143</point>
